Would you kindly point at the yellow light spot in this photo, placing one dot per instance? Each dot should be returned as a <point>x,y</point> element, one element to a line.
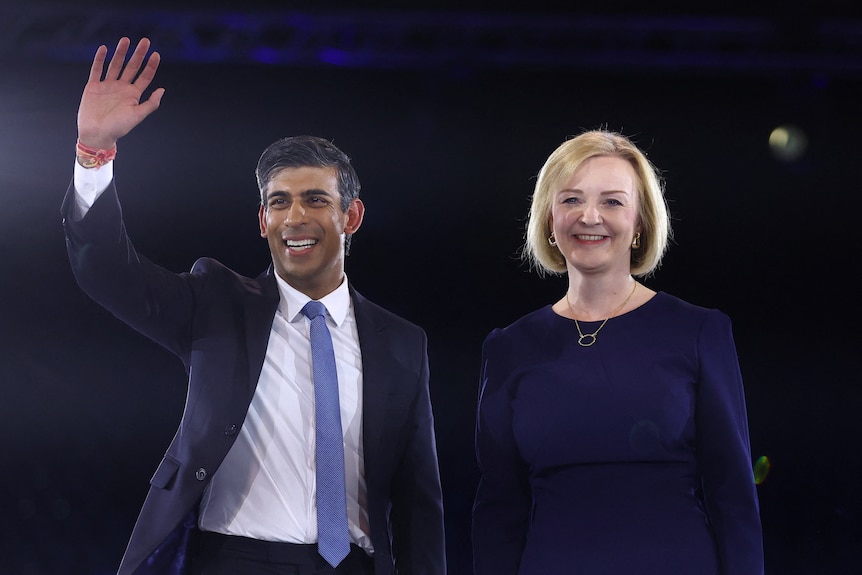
<point>788,143</point>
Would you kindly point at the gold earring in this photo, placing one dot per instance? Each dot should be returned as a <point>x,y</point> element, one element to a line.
<point>636,242</point>
<point>552,241</point>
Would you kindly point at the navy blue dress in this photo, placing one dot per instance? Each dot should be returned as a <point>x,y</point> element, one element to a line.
<point>628,457</point>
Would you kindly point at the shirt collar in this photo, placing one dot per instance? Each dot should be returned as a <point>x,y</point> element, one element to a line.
<point>291,301</point>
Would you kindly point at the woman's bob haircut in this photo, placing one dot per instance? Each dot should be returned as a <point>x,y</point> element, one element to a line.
<point>653,214</point>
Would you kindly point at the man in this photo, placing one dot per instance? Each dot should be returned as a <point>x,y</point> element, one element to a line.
<point>254,482</point>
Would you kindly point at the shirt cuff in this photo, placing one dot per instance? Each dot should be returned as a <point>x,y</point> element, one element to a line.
<point>89,185</point>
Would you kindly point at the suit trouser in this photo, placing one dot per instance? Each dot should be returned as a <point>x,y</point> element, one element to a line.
<point>230,555</point>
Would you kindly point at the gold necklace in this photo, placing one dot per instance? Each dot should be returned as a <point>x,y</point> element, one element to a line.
<point>588,339</point>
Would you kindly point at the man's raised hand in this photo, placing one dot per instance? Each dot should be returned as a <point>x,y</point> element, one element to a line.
<point>110,108</point>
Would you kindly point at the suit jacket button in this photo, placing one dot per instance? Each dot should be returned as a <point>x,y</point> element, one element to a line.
<point>230,429</point>
<point>201,474</point>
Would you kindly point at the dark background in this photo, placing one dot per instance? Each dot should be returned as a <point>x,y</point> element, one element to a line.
<point>447,125</point>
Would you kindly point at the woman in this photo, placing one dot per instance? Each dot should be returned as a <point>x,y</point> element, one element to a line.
<point>612,435</point>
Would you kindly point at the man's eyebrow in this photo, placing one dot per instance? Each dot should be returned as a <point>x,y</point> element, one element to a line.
<point>305,193</point>
<point>315,192</point>
<point>276,194</point>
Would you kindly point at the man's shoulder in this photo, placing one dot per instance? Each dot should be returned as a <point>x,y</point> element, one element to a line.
<point>212,270</point>
<point>212,266</point>
<point>366,309</point>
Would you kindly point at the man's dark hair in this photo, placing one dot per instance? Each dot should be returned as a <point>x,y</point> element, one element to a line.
<point>308,152</point>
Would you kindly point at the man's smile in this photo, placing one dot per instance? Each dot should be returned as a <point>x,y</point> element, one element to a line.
<point>300,245</point>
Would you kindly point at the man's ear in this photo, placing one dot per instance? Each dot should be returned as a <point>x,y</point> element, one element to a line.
<point>355,214</point>
<point>261,216</point>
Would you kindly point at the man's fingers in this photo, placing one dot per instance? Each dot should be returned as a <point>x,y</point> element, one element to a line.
<point>149,71</point>
<point>116,65</point>
<point>150,105</point>
<point>98,64</point>
<point>136,60</point>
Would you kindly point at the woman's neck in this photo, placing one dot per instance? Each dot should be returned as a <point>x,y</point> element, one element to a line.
<point>598,298</point>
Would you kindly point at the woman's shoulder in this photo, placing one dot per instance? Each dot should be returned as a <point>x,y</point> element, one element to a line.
<point>527,328</point>
<point>527,337</point>
<point>678,310</point>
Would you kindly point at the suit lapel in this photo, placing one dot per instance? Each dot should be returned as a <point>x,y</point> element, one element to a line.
<point>261,302</point>
<point>374,389</point>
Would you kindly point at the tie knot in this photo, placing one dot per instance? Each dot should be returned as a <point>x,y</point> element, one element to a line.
<point>313,309</point>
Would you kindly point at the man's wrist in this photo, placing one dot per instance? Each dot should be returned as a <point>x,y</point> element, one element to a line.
<point>89,157</point>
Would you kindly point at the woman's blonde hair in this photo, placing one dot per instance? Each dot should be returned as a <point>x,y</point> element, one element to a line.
<point>653,214</point>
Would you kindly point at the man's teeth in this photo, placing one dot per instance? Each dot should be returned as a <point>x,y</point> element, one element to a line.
<point>299,243</point>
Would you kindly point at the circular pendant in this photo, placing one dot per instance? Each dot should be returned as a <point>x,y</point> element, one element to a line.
<point>587,340</point>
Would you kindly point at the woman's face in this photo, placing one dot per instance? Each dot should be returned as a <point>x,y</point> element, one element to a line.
<point>594,216</point>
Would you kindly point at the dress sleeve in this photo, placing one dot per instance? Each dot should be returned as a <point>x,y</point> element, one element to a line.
<point>724,453</point>
<point>503,502</point>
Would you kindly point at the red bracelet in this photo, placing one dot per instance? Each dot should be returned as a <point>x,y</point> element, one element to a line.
<point>92,157</point>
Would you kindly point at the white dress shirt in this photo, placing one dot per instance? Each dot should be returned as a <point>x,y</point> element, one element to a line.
<point>265,488</point>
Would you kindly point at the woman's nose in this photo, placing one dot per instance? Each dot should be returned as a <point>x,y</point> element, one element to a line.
<point>590,215</point>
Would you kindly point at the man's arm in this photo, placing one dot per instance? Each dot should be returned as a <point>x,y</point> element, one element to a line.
<point>418,540</point>
<point>156,302</point>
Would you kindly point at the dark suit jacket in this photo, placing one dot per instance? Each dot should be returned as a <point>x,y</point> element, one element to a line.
<point>218,323</point>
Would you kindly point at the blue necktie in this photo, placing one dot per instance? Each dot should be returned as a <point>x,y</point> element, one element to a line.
<point>333,538</point>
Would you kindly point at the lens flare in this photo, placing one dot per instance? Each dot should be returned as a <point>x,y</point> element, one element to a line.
<point>788,143</point>
<point>761,469</point>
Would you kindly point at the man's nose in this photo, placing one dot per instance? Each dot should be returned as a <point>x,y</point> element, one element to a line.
<point>295,214</point>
